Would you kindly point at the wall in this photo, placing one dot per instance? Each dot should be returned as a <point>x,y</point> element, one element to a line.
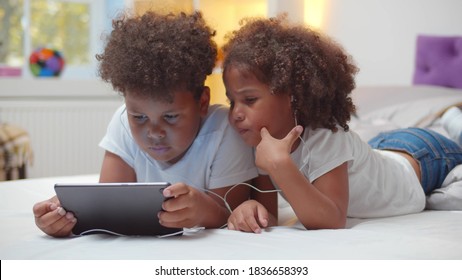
<point>381,34</point>
<point>65,121</point>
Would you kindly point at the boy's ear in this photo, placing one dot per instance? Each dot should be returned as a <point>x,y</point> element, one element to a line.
<point>204,102</point>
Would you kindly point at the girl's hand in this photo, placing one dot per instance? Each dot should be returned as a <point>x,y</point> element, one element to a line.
<point>250,216</point>
<point>271,150</point>
<point>52,219</point>
<point>189,207</point>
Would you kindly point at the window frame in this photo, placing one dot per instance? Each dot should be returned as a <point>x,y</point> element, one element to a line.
<point>98,23</point>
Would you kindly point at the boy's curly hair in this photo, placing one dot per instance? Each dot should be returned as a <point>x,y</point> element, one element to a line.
<point>153,54</point>
<point>295,60</point>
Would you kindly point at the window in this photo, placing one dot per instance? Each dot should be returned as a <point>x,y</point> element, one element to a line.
<point>73,27</point>
<point>10,35</point>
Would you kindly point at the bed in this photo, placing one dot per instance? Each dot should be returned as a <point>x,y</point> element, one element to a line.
<point>435,233</point>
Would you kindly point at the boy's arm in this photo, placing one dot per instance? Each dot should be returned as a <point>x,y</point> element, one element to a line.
<point>114,169</point>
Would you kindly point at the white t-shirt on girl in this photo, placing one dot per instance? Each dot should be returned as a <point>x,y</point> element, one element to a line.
<point>381,183</point>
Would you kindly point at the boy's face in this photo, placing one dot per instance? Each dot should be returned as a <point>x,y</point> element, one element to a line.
<point>164,130</point>
<point>253,107</point>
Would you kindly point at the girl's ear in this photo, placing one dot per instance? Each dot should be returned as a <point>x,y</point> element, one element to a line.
<point>204,101</point>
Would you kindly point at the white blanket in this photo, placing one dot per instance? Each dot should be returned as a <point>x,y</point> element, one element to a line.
<point>385,108</point>
<point>427,235</point>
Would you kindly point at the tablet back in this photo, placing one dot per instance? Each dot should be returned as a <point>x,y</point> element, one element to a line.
<point>117,208</point>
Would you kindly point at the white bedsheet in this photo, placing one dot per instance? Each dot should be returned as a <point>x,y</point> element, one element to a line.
<point>427,235</point>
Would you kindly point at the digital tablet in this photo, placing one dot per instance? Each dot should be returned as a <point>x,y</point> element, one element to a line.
<point>115,208</point>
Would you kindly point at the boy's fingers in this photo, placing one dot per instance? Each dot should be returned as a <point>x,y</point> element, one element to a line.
<point>63,227</point>
<point>177,219</point>
<point>175,190</point>
<point>52,217</point>
<point>65,231</point>
<point>43,207</point>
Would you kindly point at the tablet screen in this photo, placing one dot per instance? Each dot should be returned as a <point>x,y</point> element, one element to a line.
<point>116,208</point>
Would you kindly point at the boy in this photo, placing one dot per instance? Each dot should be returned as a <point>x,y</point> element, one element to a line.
<point>166,131</point>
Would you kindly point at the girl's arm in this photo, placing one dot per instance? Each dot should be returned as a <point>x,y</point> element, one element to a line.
<point>260,211</point>
<point>268,198</point>
<point>318,205</point>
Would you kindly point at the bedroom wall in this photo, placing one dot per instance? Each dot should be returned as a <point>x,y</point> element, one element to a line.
<point>65,122</point>
<point>381,34</point>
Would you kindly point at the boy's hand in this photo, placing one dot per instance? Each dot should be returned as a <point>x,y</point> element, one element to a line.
<point>52,219</point>
<point>250,216</point>
<point>185,207</point>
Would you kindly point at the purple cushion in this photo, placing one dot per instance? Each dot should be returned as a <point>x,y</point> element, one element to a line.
<point>438,61</point>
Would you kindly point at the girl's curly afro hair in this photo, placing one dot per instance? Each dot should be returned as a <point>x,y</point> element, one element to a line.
<point>154,55</point>
<point>295,60</point>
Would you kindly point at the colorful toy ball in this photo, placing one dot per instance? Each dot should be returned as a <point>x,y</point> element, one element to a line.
<point>44,62</point>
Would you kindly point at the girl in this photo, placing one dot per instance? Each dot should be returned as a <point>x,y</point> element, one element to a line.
<point>289,91</point>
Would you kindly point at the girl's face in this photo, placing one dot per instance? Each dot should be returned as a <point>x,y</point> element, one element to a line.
<point>164,130</point>
<point>253,107</point>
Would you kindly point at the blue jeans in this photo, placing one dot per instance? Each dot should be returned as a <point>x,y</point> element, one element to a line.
<point>436,154</point>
